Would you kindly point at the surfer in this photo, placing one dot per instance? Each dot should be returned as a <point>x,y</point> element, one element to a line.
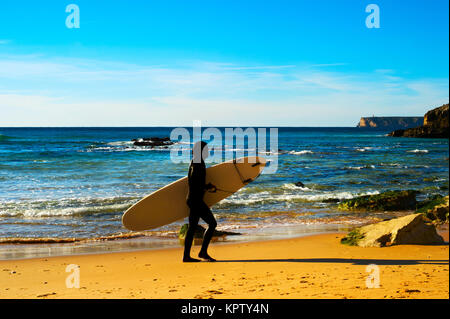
<point>198,208</point>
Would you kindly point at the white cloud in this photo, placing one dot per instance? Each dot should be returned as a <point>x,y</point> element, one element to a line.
<point>62,92</point>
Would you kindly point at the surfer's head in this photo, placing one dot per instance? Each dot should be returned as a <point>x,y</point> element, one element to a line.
<point>200,151</point>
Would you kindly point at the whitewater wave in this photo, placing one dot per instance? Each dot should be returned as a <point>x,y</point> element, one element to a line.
<point>128,146</point>
<point>269,197</point>
<point>120,143</point>
<point>66,207</point>
<point>303,152</point>
<point>125,148</point>
<point>417,151</point>
<point>295,187</point>
<point>360,167</point>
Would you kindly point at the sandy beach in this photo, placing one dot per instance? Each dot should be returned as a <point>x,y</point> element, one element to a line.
<point>316,266</point>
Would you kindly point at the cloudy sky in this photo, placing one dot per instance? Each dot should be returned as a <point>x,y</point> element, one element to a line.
<point>271,63</point>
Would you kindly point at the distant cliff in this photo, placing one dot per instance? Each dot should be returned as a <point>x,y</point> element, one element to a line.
<point>435,125</point>
<point>390,123</point>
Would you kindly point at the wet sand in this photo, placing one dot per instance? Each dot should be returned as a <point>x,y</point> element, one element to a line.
<point>315,266</point>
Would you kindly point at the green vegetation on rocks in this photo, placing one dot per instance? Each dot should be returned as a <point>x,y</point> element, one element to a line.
<point>407,230</point>
<point>352,238</point>
<point>387,201</point>
<point>434,208</point>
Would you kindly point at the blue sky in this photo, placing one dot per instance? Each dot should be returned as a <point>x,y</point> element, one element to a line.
<point>272,63</point>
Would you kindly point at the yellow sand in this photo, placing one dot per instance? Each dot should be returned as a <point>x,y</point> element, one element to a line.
<point>307,267</point>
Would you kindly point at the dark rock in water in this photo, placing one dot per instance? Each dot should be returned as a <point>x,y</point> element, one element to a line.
<point>299,184</point>
<point>407,230</point>
<point>157,139</point>
<point>200,231</point>
<point>387,201</point>
<point>331,200</point>
<point>152,141</point>
<point>435,125</point>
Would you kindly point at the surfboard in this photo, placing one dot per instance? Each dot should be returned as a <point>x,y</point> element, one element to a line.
<point>168,204</point>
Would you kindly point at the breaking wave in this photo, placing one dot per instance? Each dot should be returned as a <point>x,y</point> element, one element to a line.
<point>418,151</point>
<point>66,207</point>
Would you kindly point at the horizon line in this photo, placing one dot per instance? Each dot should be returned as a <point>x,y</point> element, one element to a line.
<point>206,126</point>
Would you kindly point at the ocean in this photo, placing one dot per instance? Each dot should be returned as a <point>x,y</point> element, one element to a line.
<point>75,183</point>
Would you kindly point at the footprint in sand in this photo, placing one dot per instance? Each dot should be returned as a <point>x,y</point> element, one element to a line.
<point>215,292</point>
<point>412,290</point>
<point>46,295</point>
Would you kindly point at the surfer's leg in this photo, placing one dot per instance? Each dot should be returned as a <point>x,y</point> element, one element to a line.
<point>193,222</point>
<point>208,217</point>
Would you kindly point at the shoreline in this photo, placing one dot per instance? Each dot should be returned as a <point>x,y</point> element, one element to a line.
<point>315,266</point>
<point>21,251</point>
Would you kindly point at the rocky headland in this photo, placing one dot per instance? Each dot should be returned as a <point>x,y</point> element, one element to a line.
<point>435,125</point>
<point>390,123</point>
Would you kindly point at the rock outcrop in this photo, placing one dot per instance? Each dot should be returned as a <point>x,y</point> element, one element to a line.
<point>435,125</point>
<point>152,141</point>
<point>299,184</point>
<point>387,201</point>
<point>435,209</point>
<point>406,230</point>
<point>390,123</point>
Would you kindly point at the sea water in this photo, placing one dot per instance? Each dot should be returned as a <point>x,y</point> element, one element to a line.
<point>75,183</point>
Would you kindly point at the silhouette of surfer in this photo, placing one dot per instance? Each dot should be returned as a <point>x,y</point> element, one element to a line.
<point>198,208</point>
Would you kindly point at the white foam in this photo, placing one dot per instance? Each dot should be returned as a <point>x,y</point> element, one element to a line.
<point>293,186</point>
<point>58,207</point>
<point>300,152</point>
<point>290,197</point>
<point>360,167</point>
<point>120,143</point>
<point>418,151</point>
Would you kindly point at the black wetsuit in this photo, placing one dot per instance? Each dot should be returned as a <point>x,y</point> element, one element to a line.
<point>198,208</point>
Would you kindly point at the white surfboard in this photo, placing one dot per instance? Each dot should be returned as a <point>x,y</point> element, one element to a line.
<point>168,204</point>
